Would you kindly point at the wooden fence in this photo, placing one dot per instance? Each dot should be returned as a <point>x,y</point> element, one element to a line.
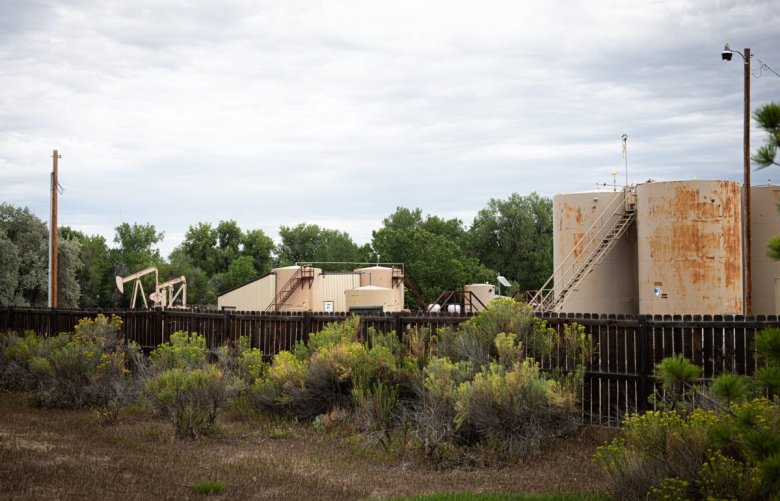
<point>618,380</point>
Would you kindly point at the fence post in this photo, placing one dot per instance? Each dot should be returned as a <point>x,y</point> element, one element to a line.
<point>399,328</point>
<point>306,324</point>
<point>159,322</point>
<point>226,334</point>
<point>52,322</point>
<point>644,369</point>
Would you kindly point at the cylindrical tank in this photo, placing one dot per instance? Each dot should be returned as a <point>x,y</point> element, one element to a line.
<point>481,295</point>
<point>301,297</point>
<point>765,225</point>
<point>373,296</point>
<point>611,286</point>
<point>379,276</point>
<point>382,276</point>
<point>689,247</point>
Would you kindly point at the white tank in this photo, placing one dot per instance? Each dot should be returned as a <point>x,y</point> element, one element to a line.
<point>482,295</point>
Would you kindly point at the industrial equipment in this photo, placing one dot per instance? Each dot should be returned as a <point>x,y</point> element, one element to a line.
<point>121,281</point>
<point>167,293</point>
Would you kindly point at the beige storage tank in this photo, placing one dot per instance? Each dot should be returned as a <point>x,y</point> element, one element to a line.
<point>689,248</point>
<point>482,295</point>
<point>302,298</point>
<point>765,224</point>
<point>253,296</point>
<point>611,287</point>
<point>330,295</point>
<point>373,296</point>
<point>382,276</point>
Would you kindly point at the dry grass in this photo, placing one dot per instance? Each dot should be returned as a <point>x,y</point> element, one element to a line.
<point>67,454</point>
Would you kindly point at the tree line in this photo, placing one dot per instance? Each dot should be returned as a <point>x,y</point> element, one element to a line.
<point>510,236</point>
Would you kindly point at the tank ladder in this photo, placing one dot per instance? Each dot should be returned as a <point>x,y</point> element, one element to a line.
<point>595,244</point>
<point>301,275</point>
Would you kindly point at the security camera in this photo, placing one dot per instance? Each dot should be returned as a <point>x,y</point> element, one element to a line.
<point>727,53</point>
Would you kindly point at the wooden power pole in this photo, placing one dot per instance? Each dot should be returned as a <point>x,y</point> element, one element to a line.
<point>53,264</point>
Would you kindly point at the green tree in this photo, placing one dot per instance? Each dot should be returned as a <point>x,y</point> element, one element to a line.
<point>9,269</point>
<point>241,270</point>
<point>768,118</point>
<point>434,261</point>
<point>136,249</point>
<point>229,239</point>
<point>24,261</point>
<point>200,246</point>
<point>308,243</point>
<point>200,287</point>
<point>514,236</point>
<point>95,276</point>
<point>257,245</point>
<point>68,266</point>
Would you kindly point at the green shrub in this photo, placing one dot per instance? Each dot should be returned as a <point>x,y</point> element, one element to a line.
<point>334,333</point>
<point>514,411</point>
<point>331,370</point>
<point>723,477</point>
<point>208,487</point>
<point>190,398</point>
<point>654,446</point>
<point>88,367</point>
<point>376,411</point>
<point>184,350</point>
<point>670,489</point>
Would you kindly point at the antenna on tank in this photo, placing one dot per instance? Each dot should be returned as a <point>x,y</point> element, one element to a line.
<point>624,152</point>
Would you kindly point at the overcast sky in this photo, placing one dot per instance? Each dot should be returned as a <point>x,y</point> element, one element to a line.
<point>337,112</point>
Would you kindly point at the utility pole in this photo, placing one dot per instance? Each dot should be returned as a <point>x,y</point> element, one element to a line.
<point>748,222</point>
<point>53,264</point>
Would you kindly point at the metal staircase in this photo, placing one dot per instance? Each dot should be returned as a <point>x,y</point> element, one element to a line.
<point>301,275</point>
<point>595,244</point>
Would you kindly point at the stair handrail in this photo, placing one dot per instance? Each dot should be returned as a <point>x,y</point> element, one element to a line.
<point>298,275</point>
<point>616,208</point>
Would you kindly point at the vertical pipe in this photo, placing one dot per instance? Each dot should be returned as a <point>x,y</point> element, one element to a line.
<point>746,154</point>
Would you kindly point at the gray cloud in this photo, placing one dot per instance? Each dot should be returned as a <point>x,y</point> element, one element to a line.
<point>336,113</point>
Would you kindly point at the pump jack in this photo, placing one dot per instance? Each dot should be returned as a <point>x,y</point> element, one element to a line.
<point>165,294</point>
<point>121,281</point>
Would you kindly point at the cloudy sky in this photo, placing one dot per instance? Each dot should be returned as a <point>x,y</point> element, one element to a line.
<point>337,112</point>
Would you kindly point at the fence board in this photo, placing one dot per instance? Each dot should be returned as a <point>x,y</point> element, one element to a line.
<point>619,378</point>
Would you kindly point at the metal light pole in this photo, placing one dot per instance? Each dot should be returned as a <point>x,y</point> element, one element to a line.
<point>747,252</point>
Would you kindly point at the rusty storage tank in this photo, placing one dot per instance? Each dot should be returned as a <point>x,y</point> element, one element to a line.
<point>303,280</point>
<point>612,285</point>
<point>765,224</point>
<point>372,296</point>
<point>482,295</point>
<point>689,247</point>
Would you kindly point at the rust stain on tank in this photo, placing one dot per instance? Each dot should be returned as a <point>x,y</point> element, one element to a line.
<point>695,231</point>
<point>732,233</point>
<point>575,240</point>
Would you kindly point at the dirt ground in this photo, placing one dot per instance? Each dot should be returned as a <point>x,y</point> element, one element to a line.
<point>56,454</point>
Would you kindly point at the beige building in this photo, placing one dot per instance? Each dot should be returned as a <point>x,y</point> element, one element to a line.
<point>679,252</point>
<point>305,288</point>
